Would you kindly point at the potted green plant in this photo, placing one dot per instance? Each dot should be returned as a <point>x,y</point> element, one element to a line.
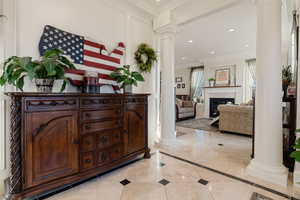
<point>211,82</point>
<point>50,67</point>
<point>287,77</point>
<point>126,78</point>
<point>296,154</point>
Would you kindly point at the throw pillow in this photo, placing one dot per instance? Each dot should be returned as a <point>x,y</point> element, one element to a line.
<point>179,102</point>
<point>187,104</point>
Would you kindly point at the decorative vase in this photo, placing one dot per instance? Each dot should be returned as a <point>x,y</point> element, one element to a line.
<point>211,83</point>
<point>128,89</point>
<point>44,85</point>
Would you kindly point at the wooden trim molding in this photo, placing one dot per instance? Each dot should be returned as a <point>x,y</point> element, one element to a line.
<point>238,86</point>
<point>2,134</point>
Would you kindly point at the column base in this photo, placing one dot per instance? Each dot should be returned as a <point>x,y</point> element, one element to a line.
<point>275,175</point>
<point>167,141</point>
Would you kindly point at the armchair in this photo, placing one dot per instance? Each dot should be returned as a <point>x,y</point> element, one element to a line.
<point>185,109</point>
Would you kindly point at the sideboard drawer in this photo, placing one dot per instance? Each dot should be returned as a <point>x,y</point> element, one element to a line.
<point>103,140</point>
<point>103,157</point>
<point>102,114</point>
<point>100,126</point>
<point>108,138</point>
<point>109,155</point>
<point>100,102</point>
<point>51,103</point>
<point>87,143</point>
<point>116,136</point>
<point>87,160</point>
<point>116,152</point>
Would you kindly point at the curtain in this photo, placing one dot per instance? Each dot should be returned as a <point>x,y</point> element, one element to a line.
<point>294,46</point>
<point>197,82</point>
<point>250,79</point>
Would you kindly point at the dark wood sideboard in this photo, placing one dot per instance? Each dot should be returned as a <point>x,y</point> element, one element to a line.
<point>59,139</point>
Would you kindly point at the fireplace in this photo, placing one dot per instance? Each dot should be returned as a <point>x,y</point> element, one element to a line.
<point>215,102</point>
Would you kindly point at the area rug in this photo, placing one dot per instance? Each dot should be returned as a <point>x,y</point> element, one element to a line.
<point>199,124</point>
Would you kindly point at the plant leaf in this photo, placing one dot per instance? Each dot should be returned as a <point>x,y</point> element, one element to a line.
<point>137,76</point>
<point>20,83</point>
<point>63,87</point>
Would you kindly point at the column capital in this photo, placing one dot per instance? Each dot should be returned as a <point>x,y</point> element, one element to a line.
<point>171,29</point>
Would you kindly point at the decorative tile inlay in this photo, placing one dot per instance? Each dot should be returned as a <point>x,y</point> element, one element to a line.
<point>164,182</point>
<point>256,196</point>
<point>203,182</point>
<point>162,164</point>
<point>125,182</point>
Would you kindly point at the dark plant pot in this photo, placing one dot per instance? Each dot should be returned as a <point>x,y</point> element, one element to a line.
<point>285,85</point>
<point>44,85</point>
<point>128,89</point>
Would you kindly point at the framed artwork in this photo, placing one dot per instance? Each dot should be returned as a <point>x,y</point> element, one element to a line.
<point>183,86</point>
<point>178,86</point>
<point>223,77</point>
<point>178,79</point>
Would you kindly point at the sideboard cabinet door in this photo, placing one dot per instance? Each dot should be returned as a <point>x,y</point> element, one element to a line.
<point>135,126</point>
<point>51,146</point>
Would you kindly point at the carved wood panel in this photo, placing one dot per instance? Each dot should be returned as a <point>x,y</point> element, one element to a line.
<point>135,127</point>
<point>52,146</point>
<point>15,145</point>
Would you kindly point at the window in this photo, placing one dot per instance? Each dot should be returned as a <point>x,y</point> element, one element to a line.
<point>197,82</point>
<point>250,72</point>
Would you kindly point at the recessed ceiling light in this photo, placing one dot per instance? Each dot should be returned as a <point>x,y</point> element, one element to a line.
<point>157,0</point>
<point>246,45</point>
<point>231,30</point>
<point>212,52</point>
<point>190,41</point>
<point>183,58</point>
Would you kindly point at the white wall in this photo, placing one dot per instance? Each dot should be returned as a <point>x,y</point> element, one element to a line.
<point>185,73</point>
<point>106,21</point>
<point>219,62</point>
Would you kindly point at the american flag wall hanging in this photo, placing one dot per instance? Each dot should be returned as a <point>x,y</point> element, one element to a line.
<point>87,54</point>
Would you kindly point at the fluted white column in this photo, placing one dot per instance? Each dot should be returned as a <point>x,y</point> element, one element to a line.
<point>267,163</point>
<point>167,52</point>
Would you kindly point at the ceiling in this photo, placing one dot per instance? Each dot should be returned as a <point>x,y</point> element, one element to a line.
<point>211,35</point>
<point>154,7</point>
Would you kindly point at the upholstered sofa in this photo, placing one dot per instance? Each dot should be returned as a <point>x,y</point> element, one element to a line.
<point>185,109</point>
<point>236,119</point>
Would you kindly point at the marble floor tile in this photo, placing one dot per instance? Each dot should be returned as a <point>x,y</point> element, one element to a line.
<point>187,191</point>
<point>194,167</point>
<point>144,191</point>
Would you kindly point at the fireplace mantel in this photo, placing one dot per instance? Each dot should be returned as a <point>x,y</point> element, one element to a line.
<point>234,92</point>
<point>223,87</point>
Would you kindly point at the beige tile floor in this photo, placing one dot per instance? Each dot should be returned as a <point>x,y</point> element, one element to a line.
<point>200,147</point>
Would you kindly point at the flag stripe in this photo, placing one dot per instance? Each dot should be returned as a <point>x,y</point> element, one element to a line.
<point>106,77</point>
<point>104,57</point>
<point>75,71</point>
<point>94,44</point>
<point>101,61</point>
<point>99,65</point>
<point>116,51</point>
